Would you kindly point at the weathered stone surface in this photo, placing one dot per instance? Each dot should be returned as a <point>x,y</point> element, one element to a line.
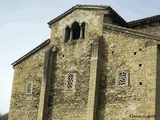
<point>155,29</point>
<point>95,67</point>
<point>23,106</point>
<point>119,51</point>
<point>73,56</point>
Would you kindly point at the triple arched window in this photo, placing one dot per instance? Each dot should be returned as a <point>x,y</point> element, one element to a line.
<point>75,32</point>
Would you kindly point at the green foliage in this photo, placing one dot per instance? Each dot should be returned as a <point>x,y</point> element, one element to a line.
<point>4,116</point>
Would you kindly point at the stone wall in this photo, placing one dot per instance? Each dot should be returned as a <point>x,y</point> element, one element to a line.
<point>70,104</point>
<point>93,23</point>
<point>71,57</point>
<point>153,29</point>
<point>74,57</point>
<point>25,106</point>
<point>121,51</point>
<point>118,51</point>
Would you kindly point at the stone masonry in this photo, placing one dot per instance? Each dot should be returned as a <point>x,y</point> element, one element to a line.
<point>95,66</point>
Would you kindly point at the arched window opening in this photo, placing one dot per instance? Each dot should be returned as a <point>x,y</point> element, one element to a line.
<point>83,30</point>
<point>67,34</point>
<point>75,31</point>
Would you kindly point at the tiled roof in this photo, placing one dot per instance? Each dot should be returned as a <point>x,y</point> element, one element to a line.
<point>116,16</point>
<point>31,52</point>
<point>131,31</point>
<point>144,21</point>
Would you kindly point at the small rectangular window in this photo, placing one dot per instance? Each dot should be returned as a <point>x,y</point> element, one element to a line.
<point>122,78</point>
<point>70,81</point>
<point>29,88</point>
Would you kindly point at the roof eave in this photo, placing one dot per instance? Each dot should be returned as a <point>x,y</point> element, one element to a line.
<point>131,31</point>
<point>99,7</point>
<point>118,17</point>
<point>144,21</point>
<point>31,52</point>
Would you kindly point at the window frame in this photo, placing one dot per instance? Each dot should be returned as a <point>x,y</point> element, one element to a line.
<point>127,82</point>
<point>75,32</point>
<point>29,87</point>
<point>72,89</point>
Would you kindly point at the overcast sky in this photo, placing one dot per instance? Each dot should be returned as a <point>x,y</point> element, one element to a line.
<point>23,26</point>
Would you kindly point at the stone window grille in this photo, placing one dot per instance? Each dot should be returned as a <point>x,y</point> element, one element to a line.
<point>122,78</point>
<point>70,81</point>
<point>29,88</point>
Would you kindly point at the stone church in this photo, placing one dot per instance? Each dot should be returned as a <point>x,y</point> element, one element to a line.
<point>94,66</point>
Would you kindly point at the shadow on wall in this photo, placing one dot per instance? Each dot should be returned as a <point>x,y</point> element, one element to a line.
<point>102,79</point>
<point>157,107</point>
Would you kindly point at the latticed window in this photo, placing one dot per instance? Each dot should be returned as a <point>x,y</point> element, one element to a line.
<point>122,78</point>
<point>70,81</point>
<point>29,88</point>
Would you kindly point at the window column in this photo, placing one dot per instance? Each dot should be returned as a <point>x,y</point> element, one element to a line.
<point>82,30</point>
<point>71,34</point>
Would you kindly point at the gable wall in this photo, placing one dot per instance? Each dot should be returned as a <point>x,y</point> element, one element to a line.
<point>73,56</point>
<point>92,18</point>
<point>25,106</point>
